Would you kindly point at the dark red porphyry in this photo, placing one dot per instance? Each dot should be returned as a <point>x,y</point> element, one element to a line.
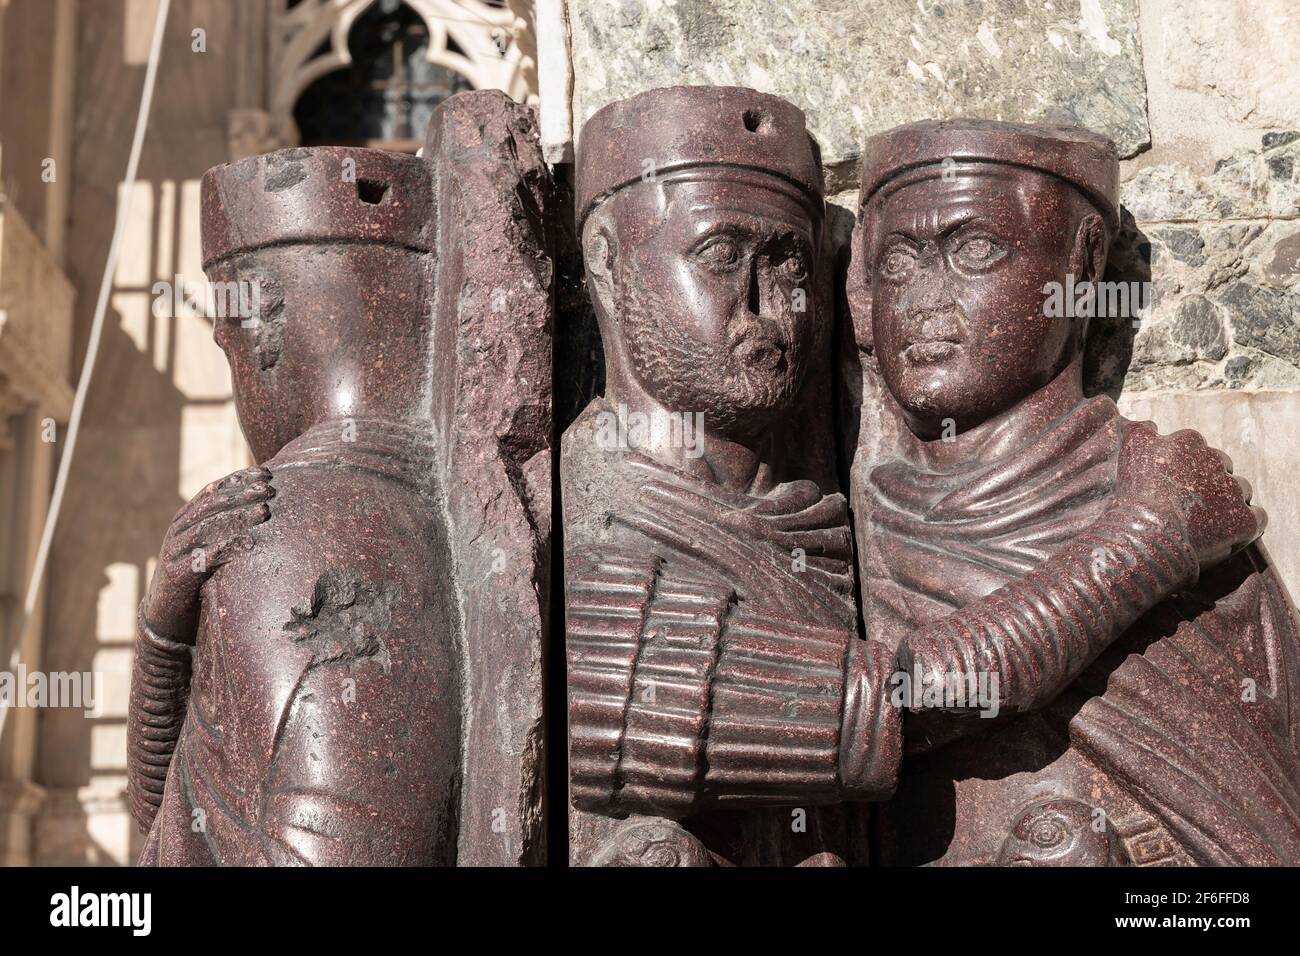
<point>324,647</point>
<point>1130,662</point>
<point>714,663</point>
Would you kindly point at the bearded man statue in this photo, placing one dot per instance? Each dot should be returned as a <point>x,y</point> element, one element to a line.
<point>710,622</point>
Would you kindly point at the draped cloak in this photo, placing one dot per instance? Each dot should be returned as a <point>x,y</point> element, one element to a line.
<point>635,524</point>
<point>1183,733</point>
<point>323,700</point>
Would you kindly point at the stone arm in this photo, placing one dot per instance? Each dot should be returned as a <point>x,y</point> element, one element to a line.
<point>1178,510</point>
<point>1037,633</point>
<point>160,687</point>
<point>209,530</point>
<point>684,696</point>
<point>681,699</point>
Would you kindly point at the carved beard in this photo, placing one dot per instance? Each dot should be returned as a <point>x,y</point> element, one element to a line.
<point>739,385</point>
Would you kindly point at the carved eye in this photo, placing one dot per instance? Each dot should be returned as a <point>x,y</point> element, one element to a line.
<point>977,253</point>
<point>897,261</point>
<point>720,255</point>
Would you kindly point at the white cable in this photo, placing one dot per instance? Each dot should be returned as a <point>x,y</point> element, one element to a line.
<point>92,344</point>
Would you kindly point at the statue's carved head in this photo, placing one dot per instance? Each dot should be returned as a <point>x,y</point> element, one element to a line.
<point>701,216</point>
<point>322,256</point>
<point>962,227</point>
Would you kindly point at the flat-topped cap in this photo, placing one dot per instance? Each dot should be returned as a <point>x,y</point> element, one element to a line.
<point>319,194</point>
<point>680,127</point>
<point>1082,158</point>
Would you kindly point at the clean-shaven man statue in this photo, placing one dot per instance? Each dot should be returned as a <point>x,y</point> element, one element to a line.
<point>1008,524</point>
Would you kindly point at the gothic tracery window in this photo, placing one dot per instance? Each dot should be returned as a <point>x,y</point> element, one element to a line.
<point>387,94</point>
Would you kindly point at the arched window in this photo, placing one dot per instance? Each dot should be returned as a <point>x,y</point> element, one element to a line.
<point>387,94</point>
<point>371,72</point>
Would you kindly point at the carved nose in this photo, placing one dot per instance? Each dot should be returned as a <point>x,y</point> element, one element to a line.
<point>929,294</point>
<point>929,289</point>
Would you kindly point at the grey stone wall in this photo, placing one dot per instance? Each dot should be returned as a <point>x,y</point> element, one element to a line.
<point>857,67</point>
<point>1202,98</point>
<point>1224,255</point>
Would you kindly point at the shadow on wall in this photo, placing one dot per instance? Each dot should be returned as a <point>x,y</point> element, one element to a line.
<point>122,493</point>
<point>1109,348</point>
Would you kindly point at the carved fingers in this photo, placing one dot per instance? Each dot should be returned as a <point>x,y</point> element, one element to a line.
<point>736,543</point>
<point>204,535</point>
<point>747,567</point>
<point>1181,473</point>
<point>219,497</point>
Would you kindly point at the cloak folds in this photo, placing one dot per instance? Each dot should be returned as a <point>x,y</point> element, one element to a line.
<point>714,662</point>
<point>1183,731</point>
<point>343,635</point>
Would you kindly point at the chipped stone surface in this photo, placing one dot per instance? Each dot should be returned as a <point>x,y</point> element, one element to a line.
<point>857,73</point>
<point>346,619</point>
<point>493,321</point>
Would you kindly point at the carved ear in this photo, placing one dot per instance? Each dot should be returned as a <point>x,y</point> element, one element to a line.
<point>857,288</point>
<point>1088,259</point>
<point>599,249</point>
<point>1087,264</point>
